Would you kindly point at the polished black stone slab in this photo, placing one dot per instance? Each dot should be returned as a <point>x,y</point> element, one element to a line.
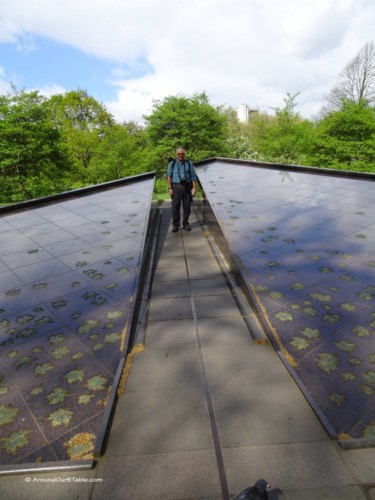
<point>69,272</point>
<point>304,242</point>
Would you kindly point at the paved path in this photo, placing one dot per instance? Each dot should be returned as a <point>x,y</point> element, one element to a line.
<point>206,410</point>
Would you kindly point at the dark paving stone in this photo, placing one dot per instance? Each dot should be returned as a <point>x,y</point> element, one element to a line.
<point>67,286</point>
<point>304,242</point>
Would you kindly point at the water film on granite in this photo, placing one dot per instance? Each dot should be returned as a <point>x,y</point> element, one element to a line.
<point>68,276</point>
<point>304,242</point>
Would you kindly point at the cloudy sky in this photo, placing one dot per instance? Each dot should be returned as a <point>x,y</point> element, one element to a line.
<point>126,53</point>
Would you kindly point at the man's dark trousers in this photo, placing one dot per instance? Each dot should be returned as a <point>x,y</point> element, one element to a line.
<point>180,194</point>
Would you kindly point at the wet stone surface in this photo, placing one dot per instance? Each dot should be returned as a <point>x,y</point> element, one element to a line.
<point>305,243</point>
<point>67,276</point>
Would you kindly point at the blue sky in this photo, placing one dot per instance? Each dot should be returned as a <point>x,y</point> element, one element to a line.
<point>46,63</point>
<point>55,63</point>
<point>127,54</point>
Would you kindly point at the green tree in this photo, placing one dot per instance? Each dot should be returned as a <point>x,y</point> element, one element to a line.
<point>286,138</point>
<point>120,153</point>
<point>33,161</point>
<point>239,143</point>
<point>241,147</point>
<point>82,122</point>
<point>345,139</point>
<point>190,122</point>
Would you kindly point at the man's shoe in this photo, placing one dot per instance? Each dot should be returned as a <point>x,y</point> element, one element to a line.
<point>187,227</point>
<point>175,229</point>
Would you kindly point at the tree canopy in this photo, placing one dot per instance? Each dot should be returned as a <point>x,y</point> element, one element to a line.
<point>191,122</point>
<point>286,138</point>
<point>345,139</point>
<point>33,159</point>
<point>49,145</point>
<point>82,122</point>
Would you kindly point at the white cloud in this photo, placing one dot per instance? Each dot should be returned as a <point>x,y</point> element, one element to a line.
<point>8,31</point>
<point>251,51</point>
<point>52,89</point>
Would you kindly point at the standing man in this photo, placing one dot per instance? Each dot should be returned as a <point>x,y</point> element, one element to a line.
<point>181,185</point>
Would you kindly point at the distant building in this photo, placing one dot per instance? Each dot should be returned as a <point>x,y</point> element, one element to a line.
<point>244,113</point>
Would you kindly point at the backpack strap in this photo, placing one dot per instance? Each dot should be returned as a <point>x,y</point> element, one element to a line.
<point>189,164</point>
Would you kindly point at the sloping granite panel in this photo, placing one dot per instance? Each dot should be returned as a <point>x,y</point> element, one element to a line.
<point>304,242</point>
<point>68,278</point>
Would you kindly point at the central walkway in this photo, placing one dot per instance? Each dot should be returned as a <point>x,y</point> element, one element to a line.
<point>206,410</point>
